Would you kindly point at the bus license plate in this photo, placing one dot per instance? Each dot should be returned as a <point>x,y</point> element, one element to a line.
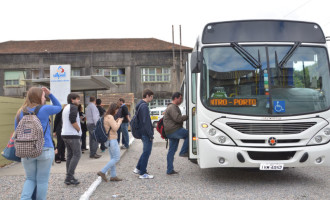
<point>271,166</point>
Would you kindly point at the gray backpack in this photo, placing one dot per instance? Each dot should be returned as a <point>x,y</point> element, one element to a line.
<point>29,138</point>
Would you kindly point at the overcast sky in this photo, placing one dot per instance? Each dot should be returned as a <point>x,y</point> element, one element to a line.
<point>82,19</point>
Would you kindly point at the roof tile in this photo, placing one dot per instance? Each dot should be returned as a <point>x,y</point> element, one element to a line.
<point>87,45</point>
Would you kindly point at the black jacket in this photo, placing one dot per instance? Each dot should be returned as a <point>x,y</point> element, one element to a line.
<point>58,123</point>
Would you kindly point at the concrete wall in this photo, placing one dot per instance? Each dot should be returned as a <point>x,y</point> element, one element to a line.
<point>87,62</point>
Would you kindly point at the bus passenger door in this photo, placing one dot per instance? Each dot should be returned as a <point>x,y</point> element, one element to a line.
<point>190,86</point>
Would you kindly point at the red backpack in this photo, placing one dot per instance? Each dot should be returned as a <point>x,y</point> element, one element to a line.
<point>160,128</point>
<point>161,131</point>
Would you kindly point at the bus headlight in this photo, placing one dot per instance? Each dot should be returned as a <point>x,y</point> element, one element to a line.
<point>212,131</point>
<point>218,137</point>
<point>318,139</point>
<point>222,139</point>
<point>327,131</point>
<point>322,137</point>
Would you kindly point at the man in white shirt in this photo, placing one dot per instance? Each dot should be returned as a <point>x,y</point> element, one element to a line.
<point>92,115</point>
<point>71,134</point>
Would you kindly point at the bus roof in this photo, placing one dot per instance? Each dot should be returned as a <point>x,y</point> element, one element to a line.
<point>262,31</point>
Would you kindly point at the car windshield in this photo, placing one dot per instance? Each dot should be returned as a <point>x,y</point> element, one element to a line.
<point>292,80</point>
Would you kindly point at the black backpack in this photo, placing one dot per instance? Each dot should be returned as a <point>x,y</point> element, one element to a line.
<point>135,125</point>
<point>100,134</point>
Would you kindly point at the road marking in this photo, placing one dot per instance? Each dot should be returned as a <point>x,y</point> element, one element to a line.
<point>97,182</point>
<point>91,189</point>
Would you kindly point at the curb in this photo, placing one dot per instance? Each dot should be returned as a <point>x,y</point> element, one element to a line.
<point>98,181</point>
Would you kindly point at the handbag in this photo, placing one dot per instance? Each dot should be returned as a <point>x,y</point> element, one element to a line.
<point>9,151</point>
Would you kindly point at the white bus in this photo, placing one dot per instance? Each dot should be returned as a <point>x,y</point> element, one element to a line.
<point>259,95</point>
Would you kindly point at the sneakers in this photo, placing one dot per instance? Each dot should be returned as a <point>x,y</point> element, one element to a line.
<point>115,179</point>
<point>102,176</point>
<point>96,156</point>
<point>184,155</point>
<point>146,176</point>
<point>136,171</point>
<point>173,173</point>
<point>72,181</point>
<point>123,147</point>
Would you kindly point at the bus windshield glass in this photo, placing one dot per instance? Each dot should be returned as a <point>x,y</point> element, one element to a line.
<point>279,81</point>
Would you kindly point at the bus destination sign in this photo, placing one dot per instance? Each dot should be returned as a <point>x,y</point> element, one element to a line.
<point>234,102</point>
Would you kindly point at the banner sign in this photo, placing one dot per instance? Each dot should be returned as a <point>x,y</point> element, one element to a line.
<point>60,82</point>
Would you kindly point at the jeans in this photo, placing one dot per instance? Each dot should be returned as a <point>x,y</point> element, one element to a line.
<point>143,161</point>
<point>174,143</point>
<point>93,144</point>
<point>118,137</point>
<point>124,130</point>
<point>73,147</point>
<point>114,153</point>
<point>37,171</point>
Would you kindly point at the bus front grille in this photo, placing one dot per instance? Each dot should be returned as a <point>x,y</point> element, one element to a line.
<point>271,128</point>
<point>286,155</point>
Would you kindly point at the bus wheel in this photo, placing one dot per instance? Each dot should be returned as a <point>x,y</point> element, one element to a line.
<point>154,124</point>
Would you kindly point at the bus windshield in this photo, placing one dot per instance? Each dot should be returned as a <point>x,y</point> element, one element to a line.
<point>280,80</point>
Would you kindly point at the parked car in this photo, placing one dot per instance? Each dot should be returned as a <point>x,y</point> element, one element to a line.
<point>156,114</point>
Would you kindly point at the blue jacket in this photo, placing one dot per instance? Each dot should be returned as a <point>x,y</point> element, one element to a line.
<point>144,120</point>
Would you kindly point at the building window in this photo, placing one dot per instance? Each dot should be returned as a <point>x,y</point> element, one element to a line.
<point>36,74</point>
<point>14,78</point>
<point>11,82</point>
<point>98,72</point>
<point>115,75</point>
<point>46,73</point>
<point>75,72</point>
<point>159,74</point>
<point>159,103</point>
<point>167,101</point>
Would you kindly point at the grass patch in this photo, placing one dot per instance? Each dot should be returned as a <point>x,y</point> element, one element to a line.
<point>9,107</point>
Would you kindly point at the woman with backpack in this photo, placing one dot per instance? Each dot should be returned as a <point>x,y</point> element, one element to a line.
<point>112,143</point>
<point>37,170</point>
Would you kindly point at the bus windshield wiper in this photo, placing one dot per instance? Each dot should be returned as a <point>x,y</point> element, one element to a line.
<point>246,55</point>
<point>288,55</point>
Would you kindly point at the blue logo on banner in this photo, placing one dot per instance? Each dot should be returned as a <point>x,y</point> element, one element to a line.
<point>279,106</point>
<point>59,72</point>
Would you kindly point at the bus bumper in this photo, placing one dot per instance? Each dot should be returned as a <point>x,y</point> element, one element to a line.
<point>210,155</point>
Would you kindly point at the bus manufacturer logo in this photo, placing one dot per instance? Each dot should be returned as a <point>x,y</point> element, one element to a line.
<point>272,141</point>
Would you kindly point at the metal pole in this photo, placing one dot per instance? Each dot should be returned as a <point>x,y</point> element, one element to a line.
<point>173,46</point>
<point>180,50</point>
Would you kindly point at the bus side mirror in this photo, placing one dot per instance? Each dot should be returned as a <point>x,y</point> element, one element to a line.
<point>195,62</point>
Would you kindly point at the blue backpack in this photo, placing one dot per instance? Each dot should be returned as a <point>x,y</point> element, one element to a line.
<point>100,134</point>
<point>135,125</point>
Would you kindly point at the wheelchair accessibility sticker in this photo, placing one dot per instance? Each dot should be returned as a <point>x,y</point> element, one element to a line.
<point>279,106</point>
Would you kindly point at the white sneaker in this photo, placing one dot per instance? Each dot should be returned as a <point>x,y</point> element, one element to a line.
<point>136,171</point>
<point>146,176</point>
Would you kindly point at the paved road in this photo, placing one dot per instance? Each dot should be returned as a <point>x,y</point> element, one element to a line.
<point>12,178</point>
<point>195,183</point>
<point>191,183</point>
